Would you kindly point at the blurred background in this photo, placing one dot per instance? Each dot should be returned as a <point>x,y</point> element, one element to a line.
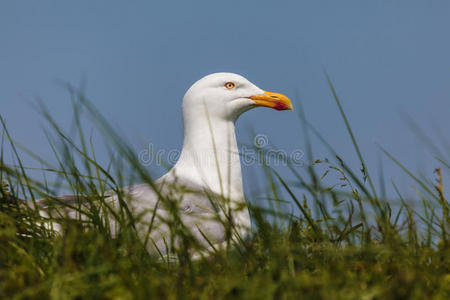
<point>388,60</point>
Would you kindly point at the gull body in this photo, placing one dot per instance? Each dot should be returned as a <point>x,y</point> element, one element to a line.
<point>206,181</point>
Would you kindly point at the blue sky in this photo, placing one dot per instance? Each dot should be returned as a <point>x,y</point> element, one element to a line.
<point>386,59</point>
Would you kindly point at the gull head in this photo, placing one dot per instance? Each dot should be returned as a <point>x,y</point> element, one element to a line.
<point>227,95</point>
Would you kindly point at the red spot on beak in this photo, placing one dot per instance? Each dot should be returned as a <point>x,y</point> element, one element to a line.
<point>280,106</point>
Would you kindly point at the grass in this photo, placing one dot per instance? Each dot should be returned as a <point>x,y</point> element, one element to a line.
<point>345,242</point>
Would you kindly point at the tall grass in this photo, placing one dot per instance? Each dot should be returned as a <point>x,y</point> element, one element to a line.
<point>345,242</point>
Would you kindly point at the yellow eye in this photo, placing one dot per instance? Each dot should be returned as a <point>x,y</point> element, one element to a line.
<point>230,85</point>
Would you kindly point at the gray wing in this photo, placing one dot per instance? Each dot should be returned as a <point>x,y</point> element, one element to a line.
<point>195,206</point>
<point>154,212</point>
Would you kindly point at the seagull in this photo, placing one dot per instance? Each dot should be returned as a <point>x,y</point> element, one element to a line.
<point>204,189</point>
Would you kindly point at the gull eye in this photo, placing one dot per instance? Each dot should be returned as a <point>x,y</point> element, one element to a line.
<point>230,85</point>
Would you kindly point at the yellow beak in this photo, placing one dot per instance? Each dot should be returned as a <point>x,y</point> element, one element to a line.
<point>273,100</point>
